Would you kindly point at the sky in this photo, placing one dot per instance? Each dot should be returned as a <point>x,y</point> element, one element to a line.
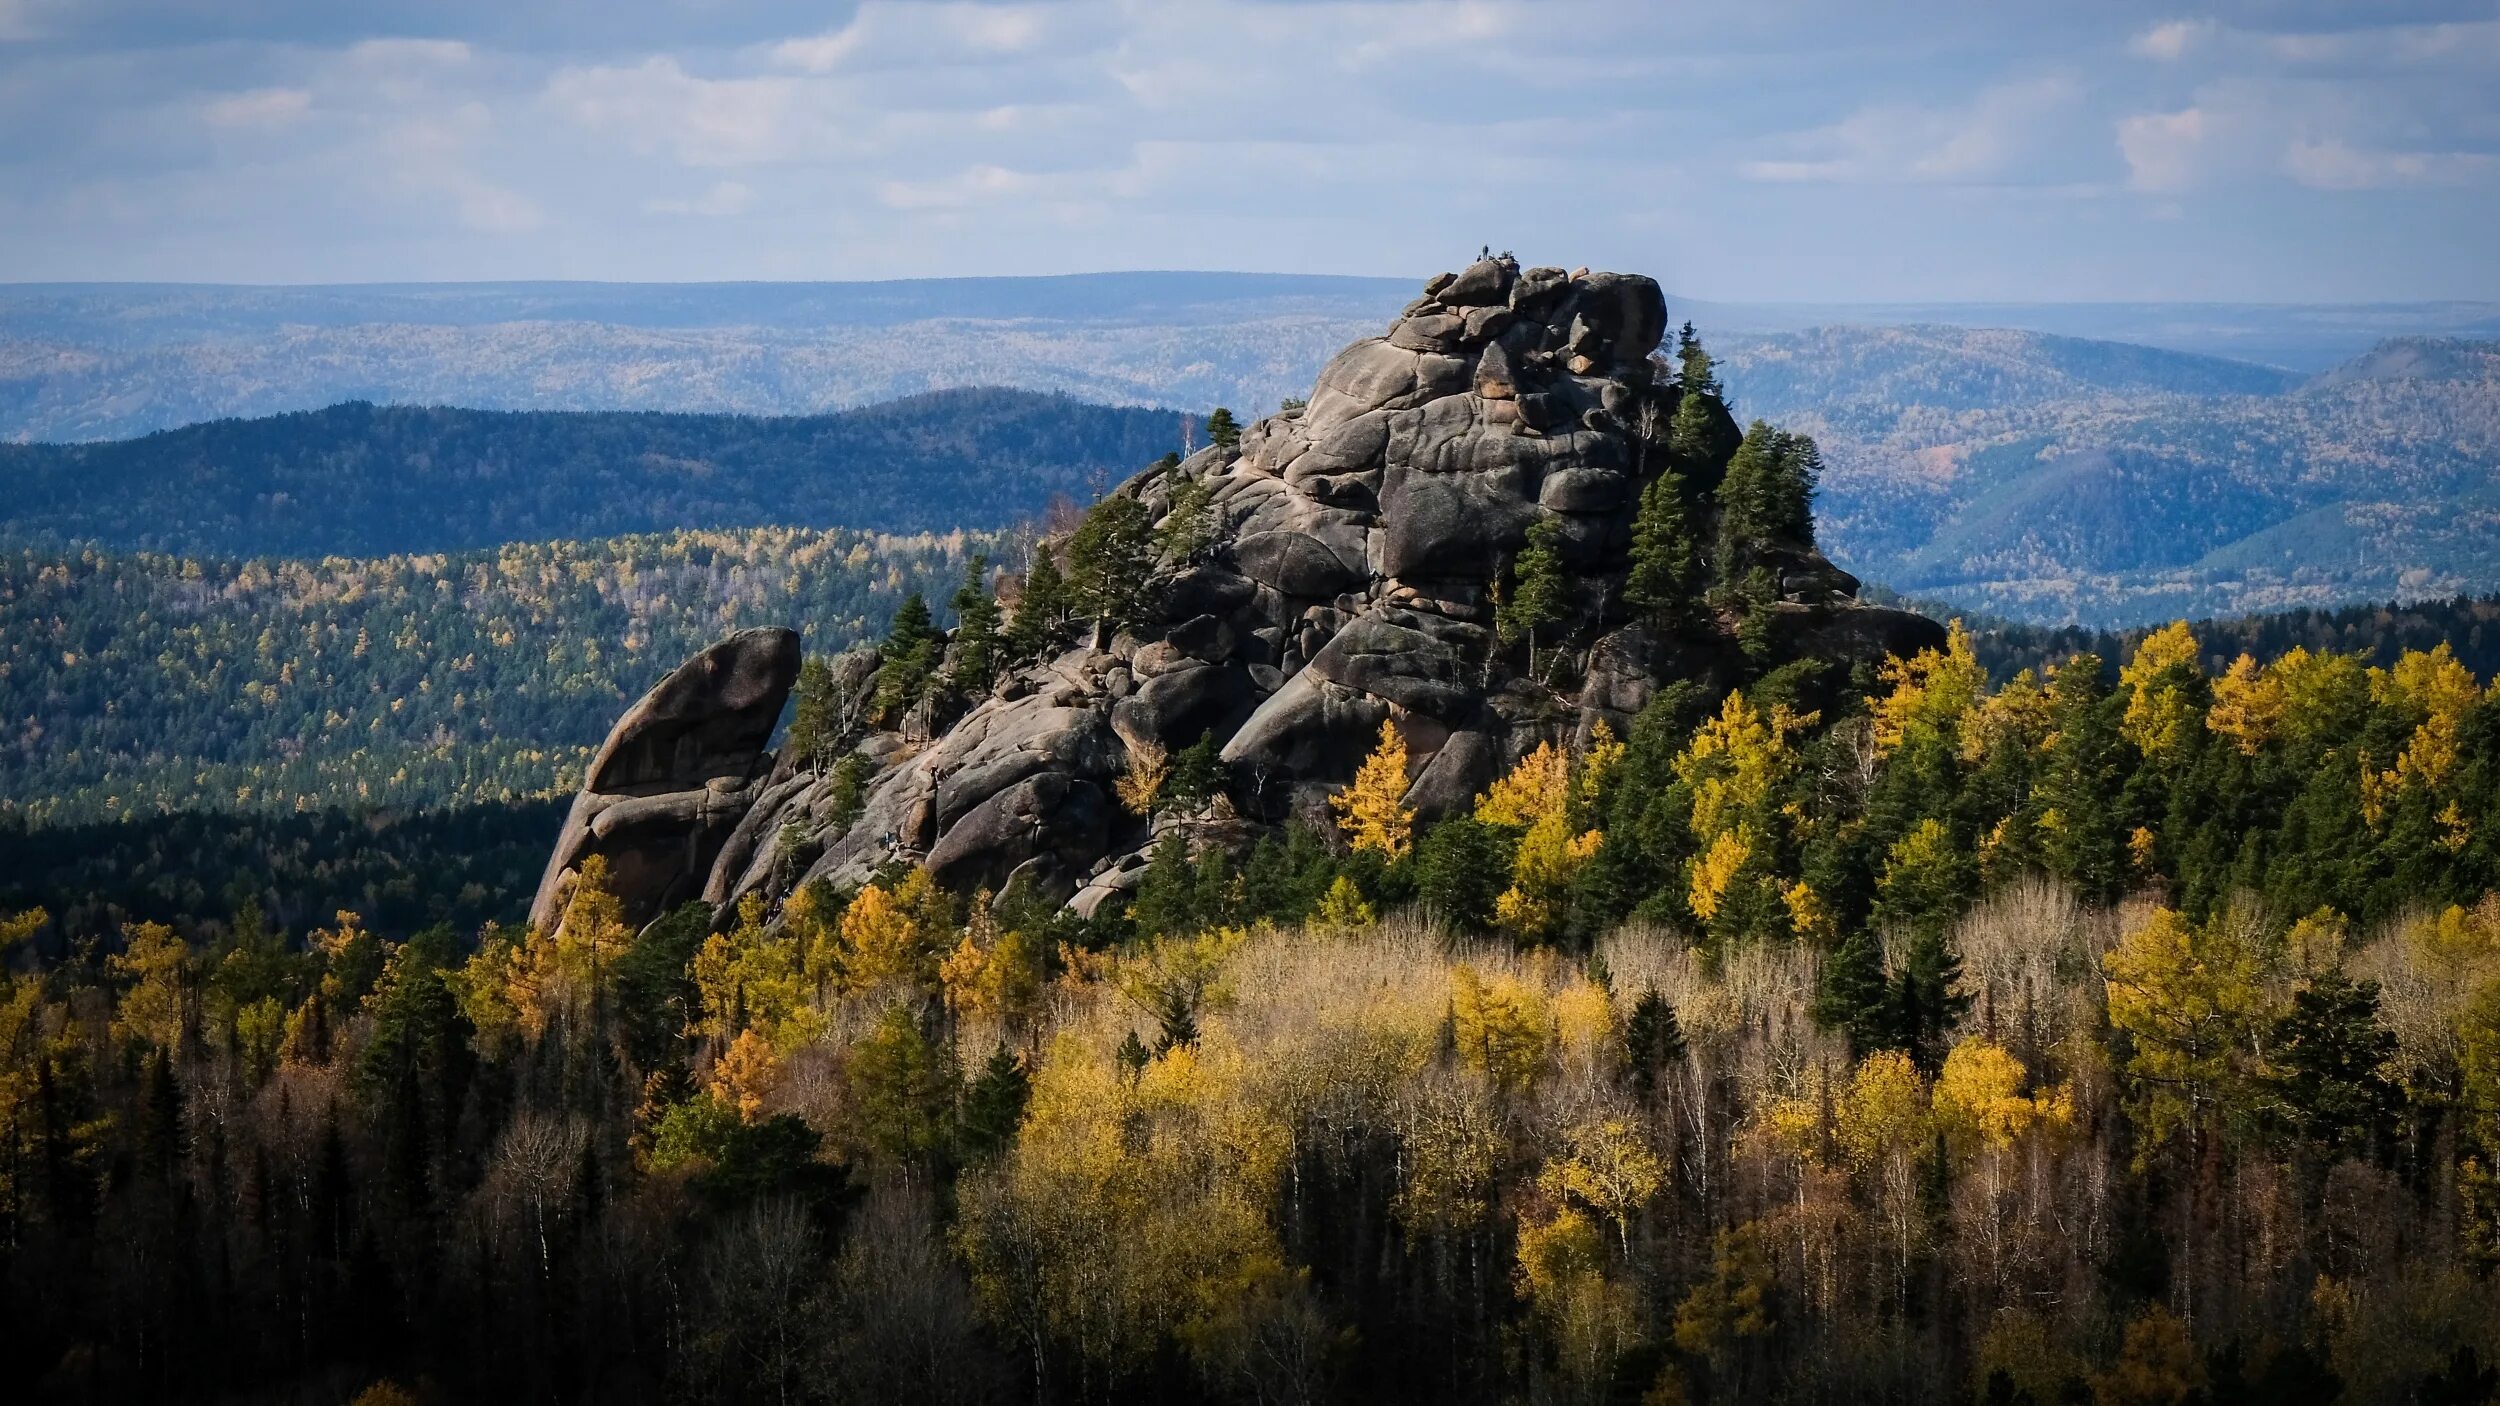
<point>1822,150</point>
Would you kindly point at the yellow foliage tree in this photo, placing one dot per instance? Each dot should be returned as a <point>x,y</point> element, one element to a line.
<point>1608,1166</point>
<point>1371,810</point>
<point>991,974</point>
<point>1979,1100</point>
<point>1539,786</point>
<point>1931,693</point>
<point>2188,996</point>
<point>1590,1318</point>
<point>891,936</point>
<point>1343,906</point>
<point>1501,1027</point>
<point>2160,714</point>
<point>746,1074</point>
<point>748,978</point>
<point>2248,706</point>
<point>156,962</point>
<point>1883,1115</point>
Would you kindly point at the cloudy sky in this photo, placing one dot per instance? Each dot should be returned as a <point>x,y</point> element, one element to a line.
<point>2272,150</point>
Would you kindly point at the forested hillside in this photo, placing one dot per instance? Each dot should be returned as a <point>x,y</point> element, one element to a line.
<point>2053,1042</point>
<point>134,685</point>
<point>2122,508</point>
<point>365,480</point>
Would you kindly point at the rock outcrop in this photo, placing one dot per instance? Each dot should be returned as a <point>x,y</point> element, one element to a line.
<point>676,776</point>
<point>1357,539</point>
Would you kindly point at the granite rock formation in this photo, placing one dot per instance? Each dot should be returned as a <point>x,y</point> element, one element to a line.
<point>677,774</point>
<point>1349,579</point>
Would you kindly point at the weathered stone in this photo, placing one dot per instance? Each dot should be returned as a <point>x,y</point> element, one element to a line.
<point>1582,490</point>
<point>1484,281</point>
<point>1432,332</point>
<point>675,777</point>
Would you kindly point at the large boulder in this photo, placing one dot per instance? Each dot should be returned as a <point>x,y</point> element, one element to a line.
<point>676,776</point>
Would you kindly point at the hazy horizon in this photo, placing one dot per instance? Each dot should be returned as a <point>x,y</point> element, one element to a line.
<point>2321,151</point>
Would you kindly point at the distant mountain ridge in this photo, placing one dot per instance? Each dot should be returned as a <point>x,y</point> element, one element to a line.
<point>2379,479</point>
<point>107,361</point>
<point>363,480</point>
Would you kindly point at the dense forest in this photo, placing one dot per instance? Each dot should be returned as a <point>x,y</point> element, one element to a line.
<point>366,480</point>
<point>2117,1036</point>
<point>141,684</point>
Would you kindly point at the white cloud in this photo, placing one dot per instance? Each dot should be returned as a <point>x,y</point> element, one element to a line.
<point>883,34</point>
<point>2169,42</point>
<point>2165,151</point>
<point>1985,140</point>
<point>261,107</point>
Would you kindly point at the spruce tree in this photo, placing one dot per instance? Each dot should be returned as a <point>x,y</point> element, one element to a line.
<point>993,1105</point>
<point>1750,509</point>
<point>1223,430</point>
<point>1854,994</point>
<point>1041,611</point>
<point>1653,1038</point>
<point>910,653</point>
<point>1666,569</point>
<point>2074,803</point>
<point>1188,530</point>
<point>812,718</point>
<point>974,666</point>
<point>1540,590</point>
<point>1798,473</point>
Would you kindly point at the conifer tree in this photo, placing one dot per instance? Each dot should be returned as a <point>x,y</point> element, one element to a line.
<point>1666,568</point>
<point>1223,430</point>
<point>993,1105</point>
<point>1041,610</point>
<point>2074,803</point>
<point>1750,511</point>
<point>974,665</point>
<point>1188,529</point>
<point>1540,591</point>
<point>910,656</point>
<point>1653,1037</point>
<point>1110,558</point>
<point>1371,809</point>
<point>812,713</point>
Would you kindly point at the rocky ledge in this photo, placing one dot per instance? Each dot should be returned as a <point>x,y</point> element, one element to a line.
<point>1349,577</point>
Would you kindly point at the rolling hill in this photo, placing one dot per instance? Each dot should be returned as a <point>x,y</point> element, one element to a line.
<point>2117,506</point>
<point>364,480</point>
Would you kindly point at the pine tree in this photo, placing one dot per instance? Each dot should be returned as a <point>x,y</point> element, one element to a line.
<point>1653,1038</point>
<point>1797,474</point>
<point>1041,611</point>
<point>993,1105</point>
<point>2328,1056</point>
<point>1666,568</point>
<point>910,653</point>
<point>2075,801</point>
<point>974,663</point>
<point>1540,591</point>
<point>1197,774</point>
<point>1110,558</point>
<point>1188,529</point>
<point>1855,994</point>
<point>1751,514</point>
<point>813,715</point>
<point>1223,431</point>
